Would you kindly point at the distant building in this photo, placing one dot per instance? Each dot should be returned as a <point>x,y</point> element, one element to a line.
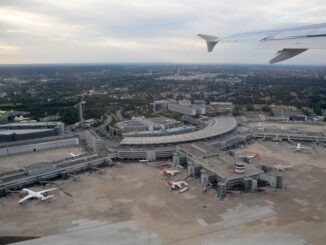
<point>30,130</point>
<point>298,118</point>
<point>220,108</point>
<point>200,102</point>
<point>323,113</point>
<point>315,118</point>
<point>160,105</point>
<point>21,118</point>
<point>2,114</point>
<point>184,102</point>
<point>186,108</point>
<point>284,111</point>
<point>50,118</point>
<point>139,124</point>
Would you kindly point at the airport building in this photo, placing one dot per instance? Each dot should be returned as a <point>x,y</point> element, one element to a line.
<point>141,126</point>
<point>160,105</point>
<point>187,108</point>
<point>38,144</point>
<point>24,131</point>
<point>221,170</point>
<point>214,128</point>
<point>146,124</point>
<point>155,147</point>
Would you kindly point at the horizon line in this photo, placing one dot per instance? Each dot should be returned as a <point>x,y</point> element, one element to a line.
<point>153,63</point>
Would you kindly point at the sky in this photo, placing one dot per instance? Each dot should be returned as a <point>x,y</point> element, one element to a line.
<point>109,31</point>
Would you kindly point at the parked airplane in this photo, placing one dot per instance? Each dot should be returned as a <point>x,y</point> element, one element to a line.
<point>73,154</point>
<point>41,195</point>
<point>143,161</point>
<point>290,42</point>
<point>281,167</point>
<point>299,147</point>
<point>177,184</point>
<point>170,172</point>
<point>256,156</point>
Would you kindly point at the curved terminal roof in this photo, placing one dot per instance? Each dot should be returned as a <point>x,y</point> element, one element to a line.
<point>146,122</point>
<point>215,127</point>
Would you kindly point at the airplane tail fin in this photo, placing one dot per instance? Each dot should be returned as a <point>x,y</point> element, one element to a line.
<point>211,41</point>
<point>256,156</point>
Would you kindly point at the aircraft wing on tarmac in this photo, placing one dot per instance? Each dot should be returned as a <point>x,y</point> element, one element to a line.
<point>25,198</point>
<point>290,42</point>
<point>45,191</point>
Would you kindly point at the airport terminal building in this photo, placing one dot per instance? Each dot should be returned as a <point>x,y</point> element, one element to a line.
<point>162,147</point>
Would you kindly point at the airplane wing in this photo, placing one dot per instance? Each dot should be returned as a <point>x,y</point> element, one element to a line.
<point>305,148</point>
<point>290,42</point>
<point>25,198</point>
<point>47,197</point>
<point>48,190</point>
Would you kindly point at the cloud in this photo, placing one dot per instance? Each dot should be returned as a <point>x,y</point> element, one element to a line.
<point>146,30</point>
<point>8,48</point>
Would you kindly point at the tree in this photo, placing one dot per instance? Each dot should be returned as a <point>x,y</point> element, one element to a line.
<point>250,107</point>
<point>237,110</point>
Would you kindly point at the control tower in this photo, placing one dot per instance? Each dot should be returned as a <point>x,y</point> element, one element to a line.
<point>81,110</point>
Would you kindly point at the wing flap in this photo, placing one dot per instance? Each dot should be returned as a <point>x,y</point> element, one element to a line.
<point>285,54</point>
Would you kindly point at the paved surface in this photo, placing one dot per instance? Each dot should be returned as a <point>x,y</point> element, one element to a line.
<point>291,126</point>
<point>132,205</point>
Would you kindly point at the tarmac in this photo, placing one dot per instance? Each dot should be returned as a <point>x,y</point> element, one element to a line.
<point>131,204</point>
<point>294,126</point>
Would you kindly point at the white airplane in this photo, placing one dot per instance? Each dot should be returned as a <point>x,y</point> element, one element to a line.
<point>281,167</point>
<point>299,147</point>
<point>170,172</point>
<point>256,156</point>
<point>177,184</point>
<point>73,154</point>
<point>41,195</point>
<point>290,41</point>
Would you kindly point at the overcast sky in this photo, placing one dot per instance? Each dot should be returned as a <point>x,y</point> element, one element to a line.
<point>85,31</point>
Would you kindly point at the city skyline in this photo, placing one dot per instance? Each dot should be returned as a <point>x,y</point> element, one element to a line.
<point>145,31</point>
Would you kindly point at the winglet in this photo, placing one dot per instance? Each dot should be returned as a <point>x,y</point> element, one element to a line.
<point>211,41</point>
